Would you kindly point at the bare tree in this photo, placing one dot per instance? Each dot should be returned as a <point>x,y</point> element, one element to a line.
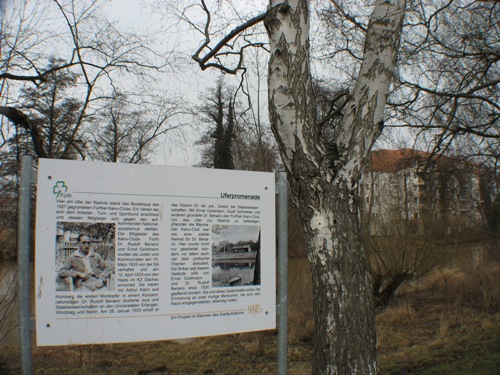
<point>399,248</point>
<point>324,174</point>
<point>218,112</point>
<point>414,207</point>
<point>449,77</point>
<point>236,138</point>
<point>87,47</point>
<point>50,115</point>
<point>127,132</point>
<point>400,257</point>
<point>8,280</point>
<point>446,93</point>
<point>257,149</point>
<point>59,60</point>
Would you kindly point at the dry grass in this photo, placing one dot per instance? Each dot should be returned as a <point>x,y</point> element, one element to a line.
<point>448,323</point>
<point>300,301</point>
<point>450,316</point>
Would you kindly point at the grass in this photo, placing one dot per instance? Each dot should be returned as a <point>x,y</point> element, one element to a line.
<point>468,349</point>
<point>448,324</point>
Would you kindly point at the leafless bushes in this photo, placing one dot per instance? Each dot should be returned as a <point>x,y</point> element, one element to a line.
<point>8,299</point>
<point>400,257</point>
<point>478,289</point>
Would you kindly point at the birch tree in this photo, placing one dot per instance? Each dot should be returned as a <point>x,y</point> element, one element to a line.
<point>446,88</point>
<point>324,173</point>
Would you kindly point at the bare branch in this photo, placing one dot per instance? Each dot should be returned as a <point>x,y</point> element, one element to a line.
<point>215,52</point>
<point>20,119</point>
<point>34,78</point>
<point>348,17</point>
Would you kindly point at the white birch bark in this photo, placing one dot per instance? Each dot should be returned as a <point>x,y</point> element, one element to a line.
<point>324,177</point>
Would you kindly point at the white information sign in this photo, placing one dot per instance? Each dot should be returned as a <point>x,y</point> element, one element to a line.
<point>138,252</point>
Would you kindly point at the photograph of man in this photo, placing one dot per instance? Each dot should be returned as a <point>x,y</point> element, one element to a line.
<point>87,268</point>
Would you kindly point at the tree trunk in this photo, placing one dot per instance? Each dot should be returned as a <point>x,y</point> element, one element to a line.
<point>324,176</point>
<point>345,341</point>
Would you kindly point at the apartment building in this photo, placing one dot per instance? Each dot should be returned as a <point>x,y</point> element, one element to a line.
<point>443,193</point>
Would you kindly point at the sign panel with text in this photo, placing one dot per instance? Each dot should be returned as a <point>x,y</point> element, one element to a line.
<point>139,252</point>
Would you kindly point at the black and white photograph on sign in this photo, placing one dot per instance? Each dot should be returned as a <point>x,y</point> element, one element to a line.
<point>235,255</point>
<point>85,257</point>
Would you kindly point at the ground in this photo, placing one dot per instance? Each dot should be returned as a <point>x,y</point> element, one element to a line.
<point>448,325</point>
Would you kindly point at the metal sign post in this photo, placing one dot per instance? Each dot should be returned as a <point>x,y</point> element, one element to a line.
<point>282,188</point>
<point>23,262</point>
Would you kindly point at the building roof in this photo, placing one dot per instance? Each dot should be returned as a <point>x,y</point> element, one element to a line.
<point>391,161</point>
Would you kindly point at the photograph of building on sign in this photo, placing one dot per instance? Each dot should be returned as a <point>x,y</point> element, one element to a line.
<point>235,255</point>
<point>85,257</point>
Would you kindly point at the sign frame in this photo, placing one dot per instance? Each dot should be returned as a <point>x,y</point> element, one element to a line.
<point>239,205</point>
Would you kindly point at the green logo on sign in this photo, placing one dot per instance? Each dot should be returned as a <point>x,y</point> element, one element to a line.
<point>59,188</point>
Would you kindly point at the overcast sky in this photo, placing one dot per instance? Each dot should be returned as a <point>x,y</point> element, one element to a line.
<point>189,81</point>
